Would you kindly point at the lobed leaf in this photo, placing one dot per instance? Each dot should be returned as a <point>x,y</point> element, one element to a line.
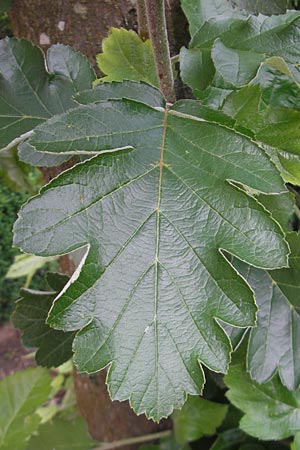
<point>154,209</point>
<point>125,56</point>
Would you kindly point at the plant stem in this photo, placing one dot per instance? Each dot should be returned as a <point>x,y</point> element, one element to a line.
<point>158,33</point>
<point>134,440</point>
<point>142,19</point>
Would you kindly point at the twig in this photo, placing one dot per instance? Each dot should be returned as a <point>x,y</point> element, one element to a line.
<point>158,33</point>
<point>134,440</point>
<point>142,20</point>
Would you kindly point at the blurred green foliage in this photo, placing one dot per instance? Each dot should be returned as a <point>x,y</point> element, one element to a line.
<point>10,203</point>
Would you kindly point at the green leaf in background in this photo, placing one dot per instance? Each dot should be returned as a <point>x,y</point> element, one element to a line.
<point>5,5</point>
<point>54,347</point>
<point>152,281</point>
<point>271,410</point>
<point>281,207</point>
<point>29,94</point>
<point>266,7</point>
<point>127,57</point>
<point>243,40</point>
<point>198,418</point>
<point>25,265</point>
<point>13,172</point>
<point>296,444</point>
<point>168,443</point>
<point>20,395</point>
<point>229,440</point>
<point>275,343</point>
<point>201,11</point>
<point>61,434</point>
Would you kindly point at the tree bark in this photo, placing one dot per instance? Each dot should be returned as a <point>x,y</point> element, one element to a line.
<point>83,24</point>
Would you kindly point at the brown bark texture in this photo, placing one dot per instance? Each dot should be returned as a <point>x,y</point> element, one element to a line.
<point>83,24</point>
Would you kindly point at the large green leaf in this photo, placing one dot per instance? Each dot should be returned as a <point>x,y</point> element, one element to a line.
<point>61,434</point>
<point>54,347</point>
<point>198,418</point>
<point>30,93</point>
<point>20,395</point>
<point>274,344</point>
<point>271,410</point>
<point>154,216</point>
<point>127,57</point>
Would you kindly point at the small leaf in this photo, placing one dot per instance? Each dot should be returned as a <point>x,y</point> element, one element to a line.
<point>127,57</point>
<point>271,411</point>
<point>198,418</point>
<point>131,296</point>
<point>20,395</point>
<point>63,435</point>
<point>13,172</point>
<point>54,347</point>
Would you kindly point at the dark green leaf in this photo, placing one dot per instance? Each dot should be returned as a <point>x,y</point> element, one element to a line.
<point>198,418</point>
<point>29,94</point>
<point>20,395</point>
<point>129,89</point>
<point>229,440</point>
<point>5,6</point>
<point>239,44</point>
<point>153,281</point>
<point>54,347</point>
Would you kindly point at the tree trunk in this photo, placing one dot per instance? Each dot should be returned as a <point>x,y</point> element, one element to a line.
<point>83,24</point>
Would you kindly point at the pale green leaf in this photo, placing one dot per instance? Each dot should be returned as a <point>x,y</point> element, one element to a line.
<point>61,434</point>
<point>25,265</point>
<point>271,410</point>
<point>20,395</point>
<point>152,281</point>
<point>125,56</point>
<point>198,418</point>
<point>296,444</point>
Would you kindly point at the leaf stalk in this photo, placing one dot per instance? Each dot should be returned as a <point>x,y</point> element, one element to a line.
<point>157,26</point>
